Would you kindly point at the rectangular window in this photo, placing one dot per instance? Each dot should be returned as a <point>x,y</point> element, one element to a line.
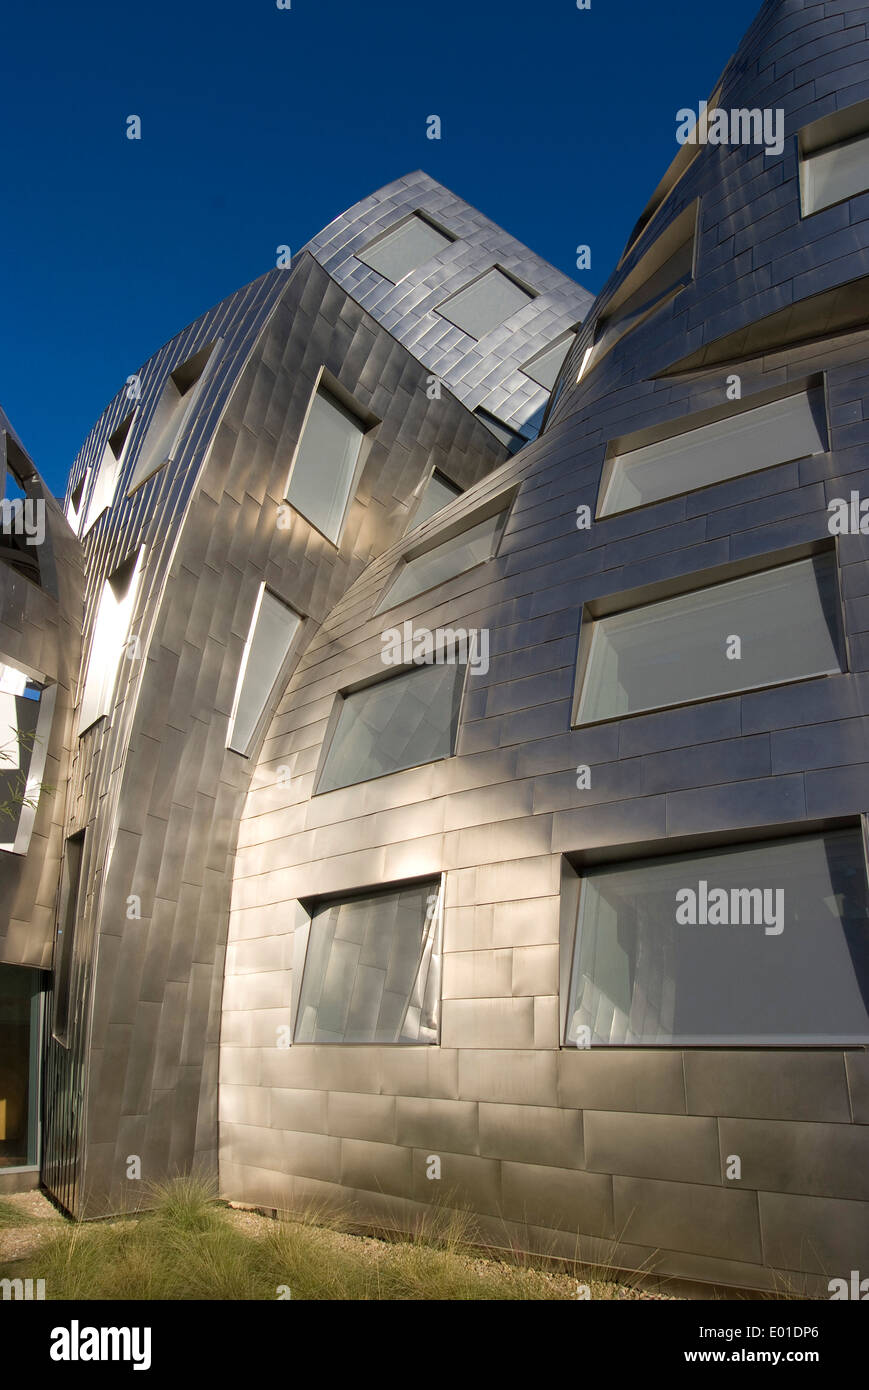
<point>372,969</point>
<point>745,441</point>
<point>273,629</point>
<point>69,906</point>
<point>111,629</point>
<point>26,710</point>
<point>759,944</point>
<point>437,492</point>
<point>544,368</point>
<point>327,464</point>
<point>20,1027</point>
<point>665,269</point>
<point>173,410</point>
<point>456,555</point>
<point>763,629</point>
<point>404,248</point>
<point>404,721</point>
<point>108,472</point>
<point>834,158</point>
<point>485,303</point>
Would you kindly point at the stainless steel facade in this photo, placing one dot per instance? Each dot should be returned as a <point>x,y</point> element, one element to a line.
<point>201,865</point>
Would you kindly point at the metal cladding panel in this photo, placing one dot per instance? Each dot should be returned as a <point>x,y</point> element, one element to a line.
<point>484,373</point>
<point>154,784</point>
<point>622,1148</point>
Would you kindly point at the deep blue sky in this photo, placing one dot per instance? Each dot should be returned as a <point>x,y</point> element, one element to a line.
<point>261,125</point>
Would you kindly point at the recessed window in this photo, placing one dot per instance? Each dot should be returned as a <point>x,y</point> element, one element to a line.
<point>544,368</point>
<point>455,556</point>
<point>665,269</point>
<point>834,158</point>
<point>400,722</point>
<point>762,629</point>
<point>327,463</point>
<point>76,498</point>
<point>69,906</point>
<point>743,441</point>
<point>404,248</point>
<point>108,644</point>
<point>25,721</point>
<point>173,410</point>
<point>437,493</point>
<point>273,629</point>
<point>108,472</point>
<point>486,303</point>
<point>372,969</point>
<point>511,438</point>
<point>752,944</point>
<point>21,993</point>
<point>22,523</point>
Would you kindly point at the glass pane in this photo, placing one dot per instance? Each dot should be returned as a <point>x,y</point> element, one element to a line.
<point>19,718</point>
<point>268,645</point>
<point>165,424</point>
<point>372,969</point>
<point>741,443</point>
<point>400,722</point>
<point>761,944</point>
<point>438,492</point>
<point>19,1065</point>
<point>446,561</point>
<point>484,304</point>
<point>405,248</point>
<point>545,368</point>
<point>836,173</point>
<point>671,652</point>
<point>325,464</point>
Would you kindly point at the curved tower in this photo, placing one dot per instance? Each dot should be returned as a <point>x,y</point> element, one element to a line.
<point>577,935</point>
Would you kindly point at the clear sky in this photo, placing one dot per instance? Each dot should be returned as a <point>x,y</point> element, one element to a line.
<point>260,125</point>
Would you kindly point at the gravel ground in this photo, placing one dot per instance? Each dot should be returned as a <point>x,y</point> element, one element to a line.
<point>41,1219</point>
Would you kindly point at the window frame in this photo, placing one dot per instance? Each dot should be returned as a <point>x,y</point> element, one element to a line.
<point>381,677</point>
<point>307,907</point>
<point>463,289</point>
<point>502,503</point>
<point>327,385</point>
<point>619,447</point>
<point>284,669</point>
<point>376,241</point>
<point>577,866</point>
<point>596,611</point>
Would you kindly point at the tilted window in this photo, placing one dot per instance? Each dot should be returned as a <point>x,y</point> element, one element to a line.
<point>109,641</point>
<point>762,629</point>
<point>172,413</point>
<point>665,269</point>
<point>485,303</point>
<point>327,463</point>
<point>372,968</point>
<point>453,557</point>
<point>273,629</point>
<point>834,158</point>
<point>752,944</point>
<point>26,711</point>
<point>404,248</point>
<point>544,368</point>
<point>437,493</point>
<point>744,441</point>
<point>400,722</point>
<point>69,907</point>
<point>108,472</point>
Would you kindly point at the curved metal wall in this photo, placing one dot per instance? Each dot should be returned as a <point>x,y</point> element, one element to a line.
<point>617,1153</point>
<point>153,785</point>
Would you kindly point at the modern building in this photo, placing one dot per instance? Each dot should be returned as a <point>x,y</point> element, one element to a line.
<point>461,791</point>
